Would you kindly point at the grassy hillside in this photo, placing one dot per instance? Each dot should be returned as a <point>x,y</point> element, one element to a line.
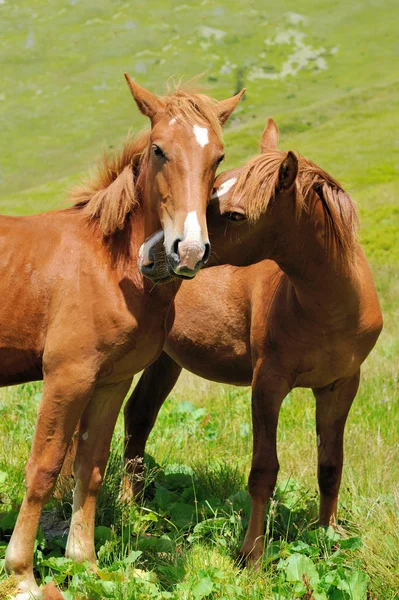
<point>326,72</point>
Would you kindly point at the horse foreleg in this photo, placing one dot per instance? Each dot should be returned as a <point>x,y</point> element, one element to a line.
<point>95,434</point>
<point>268,392</point>
<point>332,409</point>
<point>141,411</point>
<point>64,397</point>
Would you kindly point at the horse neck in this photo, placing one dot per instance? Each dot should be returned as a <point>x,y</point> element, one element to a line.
<point>320,276</point>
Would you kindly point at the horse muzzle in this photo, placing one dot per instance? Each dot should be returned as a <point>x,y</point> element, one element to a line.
<point>185,258</point>
<point>152,261</point>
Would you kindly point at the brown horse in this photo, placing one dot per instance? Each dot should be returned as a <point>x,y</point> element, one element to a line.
<point>306,318</point>
<point>77,312</point>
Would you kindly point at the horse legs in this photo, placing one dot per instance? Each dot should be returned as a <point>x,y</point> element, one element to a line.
<point>332,408</point>
<point>268,392</point>
<point>95,434</point>
<point>141,411</point>
<point>64,398</point>
<point>65,478</point>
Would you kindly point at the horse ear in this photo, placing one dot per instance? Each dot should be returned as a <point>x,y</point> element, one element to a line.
<point>269,139</point>
<point>288,172</point>
<point>224,108</point>
<point>147,103</point>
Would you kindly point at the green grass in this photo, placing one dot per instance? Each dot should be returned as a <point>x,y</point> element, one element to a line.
<point>64,100</point>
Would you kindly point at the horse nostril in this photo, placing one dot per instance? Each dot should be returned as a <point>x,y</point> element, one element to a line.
<point>207,252</point>
<point>175,246</point>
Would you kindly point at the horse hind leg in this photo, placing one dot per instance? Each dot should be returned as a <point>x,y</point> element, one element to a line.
<point>95,434</point>
<point>66,477</point>
<point>141,411</point>
<point>63,400</point>
<point>332,409</point>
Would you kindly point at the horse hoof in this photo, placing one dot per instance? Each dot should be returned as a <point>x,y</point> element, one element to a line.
<point>26,589</point>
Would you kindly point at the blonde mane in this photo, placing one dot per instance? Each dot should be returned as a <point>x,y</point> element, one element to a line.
<point>259,179</point>
<point>112,193</point>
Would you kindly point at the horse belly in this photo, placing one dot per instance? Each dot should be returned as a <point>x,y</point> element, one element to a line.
<point>211,329</point>
<point>216,362</point>
<point>19,366</point>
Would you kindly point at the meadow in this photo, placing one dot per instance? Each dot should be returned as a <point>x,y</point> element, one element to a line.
<point>326,73</point>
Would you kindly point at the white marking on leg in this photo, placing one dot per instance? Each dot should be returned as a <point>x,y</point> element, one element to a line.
<point>224,188</point>
<point>201,135</point>
<point>318,441</point>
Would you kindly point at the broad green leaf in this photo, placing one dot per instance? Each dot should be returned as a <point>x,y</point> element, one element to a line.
<point>7,521</point>
<point>178,481</point>
<point>203,588</point>
<point>319,596</point>
<point>353,543</point>
<point>102,534</point>
<point>162,497</point>
<point>156,544</point>
<point>133,556</point>
<point>303,548</point>
<point>106,575</point>
<point>182,514</point>
<point>298,565</point>
<point>357,584</point>
<point>275,550</point>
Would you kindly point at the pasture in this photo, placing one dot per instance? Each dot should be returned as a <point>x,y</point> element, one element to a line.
<point>325,73</point>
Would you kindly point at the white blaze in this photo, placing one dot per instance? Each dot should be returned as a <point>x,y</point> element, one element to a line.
<point>224,188</point>
<point>192,228</point>
<point>191,248</point>
<point>201,135</point>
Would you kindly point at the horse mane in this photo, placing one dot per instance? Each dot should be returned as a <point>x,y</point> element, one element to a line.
<point>111,194</point>
<point>258,182</point>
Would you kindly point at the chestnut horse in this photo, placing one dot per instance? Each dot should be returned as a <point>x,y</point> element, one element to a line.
<point>306,318</point>
<point>77,312</point>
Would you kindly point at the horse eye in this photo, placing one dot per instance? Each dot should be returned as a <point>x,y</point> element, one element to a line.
<point>219,160</point>
<point>159,153</point>
<point>235,216</point>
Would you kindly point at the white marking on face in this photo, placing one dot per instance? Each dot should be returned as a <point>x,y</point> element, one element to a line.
<point>192,228</point>
<point>201,135</point>
<point>172,121</point>
<point>85,436</point>
<point>224,188</point>
<point>318,441</point>
<point>191,248</point>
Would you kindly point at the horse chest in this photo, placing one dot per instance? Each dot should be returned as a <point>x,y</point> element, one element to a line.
<point>137,342</point>
<point>329,361</point>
